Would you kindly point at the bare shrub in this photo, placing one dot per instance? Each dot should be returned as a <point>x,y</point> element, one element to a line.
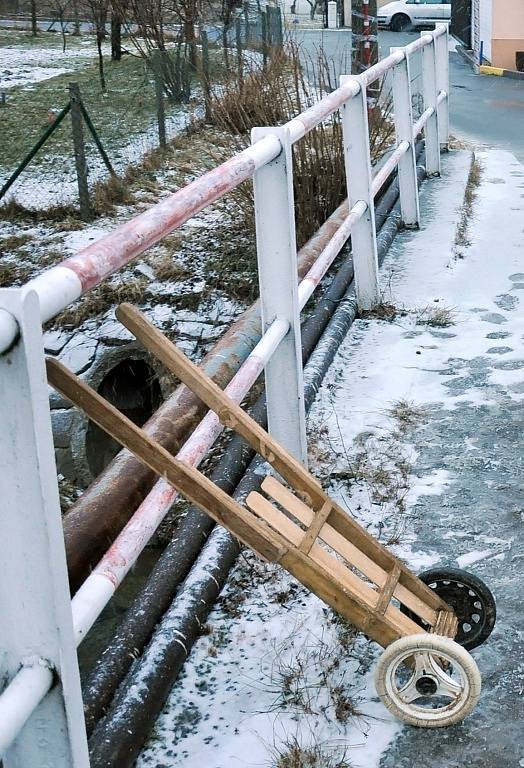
<point>288,85</point>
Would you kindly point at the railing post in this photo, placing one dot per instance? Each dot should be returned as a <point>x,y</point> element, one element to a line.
<point>442,63</point>
<point>355,132</point>
<point>278,278</point>
<point>36,623</point>
<point>407,167</point>
<point>429,91</point>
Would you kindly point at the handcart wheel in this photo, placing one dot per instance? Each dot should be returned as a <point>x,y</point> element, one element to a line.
<point>470,598</point>
<point>429,681</point>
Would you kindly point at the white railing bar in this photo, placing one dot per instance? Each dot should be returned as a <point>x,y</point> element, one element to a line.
<point>21,697</point>
<point>62,285</point>
<point>389,166</point>
<point>328,255</point>
<point>423,119</point>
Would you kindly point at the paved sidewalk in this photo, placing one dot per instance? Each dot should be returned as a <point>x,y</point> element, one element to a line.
<point>467,448</point>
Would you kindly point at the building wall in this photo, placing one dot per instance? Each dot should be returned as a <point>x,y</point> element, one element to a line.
<point>486,26</point>
<point>508,32</point>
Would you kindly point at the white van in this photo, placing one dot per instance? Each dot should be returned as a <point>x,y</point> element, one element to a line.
<point>402,14</point>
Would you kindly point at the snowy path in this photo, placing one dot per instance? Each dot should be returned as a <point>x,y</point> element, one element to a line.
<point>443,485</point>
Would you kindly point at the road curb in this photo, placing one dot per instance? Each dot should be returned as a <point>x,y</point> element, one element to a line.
<point>484,69</point>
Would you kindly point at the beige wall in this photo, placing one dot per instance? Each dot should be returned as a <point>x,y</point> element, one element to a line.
<point>508,19</point>
<point>503,52</point>
<point>507,33</point>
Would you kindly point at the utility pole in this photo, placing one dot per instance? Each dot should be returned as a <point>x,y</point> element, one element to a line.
<point>365,39</point>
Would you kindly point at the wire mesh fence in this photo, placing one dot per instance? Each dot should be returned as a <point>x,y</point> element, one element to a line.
<point>149,99</point>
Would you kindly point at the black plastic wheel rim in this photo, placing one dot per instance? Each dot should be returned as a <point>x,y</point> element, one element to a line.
<point>471,600</point>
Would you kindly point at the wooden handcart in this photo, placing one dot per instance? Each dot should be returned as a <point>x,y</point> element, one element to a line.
<point>424,676</point>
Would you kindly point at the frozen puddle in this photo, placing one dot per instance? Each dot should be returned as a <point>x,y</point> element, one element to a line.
<point>276,668</point>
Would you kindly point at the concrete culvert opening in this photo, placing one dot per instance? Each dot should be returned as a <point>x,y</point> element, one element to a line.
<point>131,386</point>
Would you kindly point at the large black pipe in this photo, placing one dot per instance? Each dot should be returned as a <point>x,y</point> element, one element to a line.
<point>119,737</point>
<point>148,607</point>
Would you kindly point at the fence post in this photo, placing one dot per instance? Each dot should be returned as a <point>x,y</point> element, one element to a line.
<point>264,24</point>
<point>79,149</point>
<point>429,92</point>
<point>278,279</point>
<point>240,64</point>
<point>407,167</point>
<point>159,95</point>
<point>245,8</point>
<point>355,133</point>
<point>442,64</point>
<point>37,625</point>
<point>205,74</point>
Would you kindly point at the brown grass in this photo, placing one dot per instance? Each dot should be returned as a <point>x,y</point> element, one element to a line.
<point>13,273</point>
<point>10,243</point>
<point>167,269</point>
<point>101,299</point>
<point>290,754</point>
<point>384,311</point>
<point>470,196</point>
<point>435,316</point>
<point>407,414</point>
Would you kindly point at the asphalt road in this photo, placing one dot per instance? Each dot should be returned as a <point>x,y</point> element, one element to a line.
<point>485,110</point>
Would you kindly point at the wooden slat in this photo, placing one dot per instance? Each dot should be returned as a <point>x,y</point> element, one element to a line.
<point>232,415</point>
<point>349,551</point>
<point>387,590</point>
<point>312,532</point>
<point>348,580</point>
<point>294,535</point>
<point>446,624</point>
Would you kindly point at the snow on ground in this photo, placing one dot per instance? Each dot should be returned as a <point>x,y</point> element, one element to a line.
<point>24,65</point>
<point>276,667</point>
<point>39,188</point>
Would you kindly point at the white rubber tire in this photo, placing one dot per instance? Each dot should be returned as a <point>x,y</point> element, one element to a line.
<point>432,644</point>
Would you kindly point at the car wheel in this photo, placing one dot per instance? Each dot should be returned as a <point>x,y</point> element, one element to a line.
<point>400,22</point>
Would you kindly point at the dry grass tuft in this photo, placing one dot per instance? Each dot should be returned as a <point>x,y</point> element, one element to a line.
<point>384,311</point>
<point>167,269</point>
<point>110,193</point>
<point>470,196</point>
<point>407,414</point>
<point>13,211</point>
<point>290,754</point>
<point>435,316</point>
<point>276,94</point>
<point>10,243</point>
<point>13,273</point>
<point>101,299</point>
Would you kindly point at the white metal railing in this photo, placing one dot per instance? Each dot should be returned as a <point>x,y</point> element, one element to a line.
<point>41,716</point>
